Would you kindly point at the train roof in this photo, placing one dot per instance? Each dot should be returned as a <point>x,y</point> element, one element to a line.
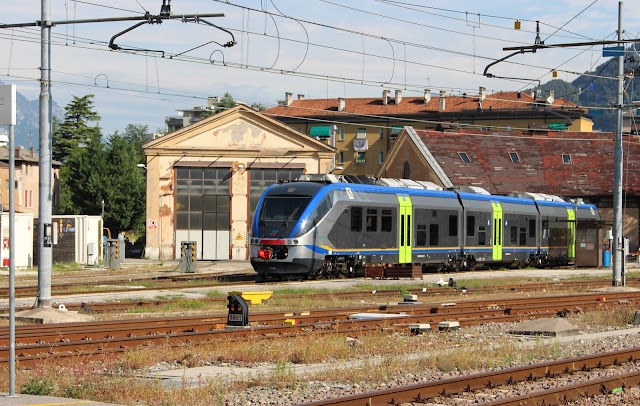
<point>425,188</point>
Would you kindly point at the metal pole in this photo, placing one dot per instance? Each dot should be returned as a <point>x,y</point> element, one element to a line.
<point>45,229</point>
<point>12,266</point>
<point>618,243</point>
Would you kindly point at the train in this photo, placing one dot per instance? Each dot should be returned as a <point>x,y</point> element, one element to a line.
<point>333,226</point>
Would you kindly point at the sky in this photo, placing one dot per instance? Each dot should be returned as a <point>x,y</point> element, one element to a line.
<point>318,48</point>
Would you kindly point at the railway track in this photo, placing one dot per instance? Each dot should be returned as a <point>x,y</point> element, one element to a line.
<point>124,306</point>
<point>35,342</point>
<point>424,392</point>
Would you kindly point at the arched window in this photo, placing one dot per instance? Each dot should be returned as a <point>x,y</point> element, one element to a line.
<point>406,170</point>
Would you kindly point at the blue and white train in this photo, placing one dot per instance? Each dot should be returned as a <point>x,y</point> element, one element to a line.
<point>318,228</point>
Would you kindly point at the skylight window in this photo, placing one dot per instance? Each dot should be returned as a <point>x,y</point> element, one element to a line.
<point>465,158</point>
<point>514,157</point>
<point>566,159</point>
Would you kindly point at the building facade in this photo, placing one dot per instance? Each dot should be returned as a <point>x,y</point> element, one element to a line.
<point>363,130</point>
<point>204,181</point>
<point>27,184</point>
<point>568,164</point>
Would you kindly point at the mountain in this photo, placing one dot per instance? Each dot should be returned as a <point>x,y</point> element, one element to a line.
<point>597,89</point>
<point>27,131</point>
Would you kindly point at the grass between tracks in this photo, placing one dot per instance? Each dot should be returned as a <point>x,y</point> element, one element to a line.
<point>376,358</point>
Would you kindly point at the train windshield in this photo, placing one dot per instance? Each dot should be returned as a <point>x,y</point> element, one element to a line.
<point>279,215</point>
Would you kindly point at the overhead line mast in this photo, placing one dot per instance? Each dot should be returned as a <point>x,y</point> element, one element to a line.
<point>45,225</point>
<point>618,247</point>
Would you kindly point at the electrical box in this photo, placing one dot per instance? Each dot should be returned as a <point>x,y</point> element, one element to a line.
<point>188,256</point>
<point>113,253</point>
<point>238,311</point>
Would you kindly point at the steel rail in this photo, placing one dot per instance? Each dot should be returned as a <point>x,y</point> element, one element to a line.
<point>509,376</point>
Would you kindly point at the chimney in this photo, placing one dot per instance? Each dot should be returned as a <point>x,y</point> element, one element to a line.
<point>17,152</point>
<point>385,97</point>
<point>287,99</point>
<point>31,152</point>
<point>550,96</point>
<point>442,102</point>
<point>532,93</point>
<point>398,96</point>
<point>427,96</point>
<point>342,103</point>
<point>300,97</point>
<point>483,93</point>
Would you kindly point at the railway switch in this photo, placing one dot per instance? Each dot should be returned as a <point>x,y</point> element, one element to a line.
<point>238,311</point>
<point>188,256</point>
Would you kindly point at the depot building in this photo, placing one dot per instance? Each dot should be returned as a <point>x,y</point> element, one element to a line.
<point>204,180</point>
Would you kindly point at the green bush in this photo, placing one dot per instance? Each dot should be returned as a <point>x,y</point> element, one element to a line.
<point>37,386</point>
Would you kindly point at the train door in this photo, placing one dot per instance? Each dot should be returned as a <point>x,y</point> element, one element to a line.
<point>405,222</point>
<point>497,231</point>
<point>571,237</point>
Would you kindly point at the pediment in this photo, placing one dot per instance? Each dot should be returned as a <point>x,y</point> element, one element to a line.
<point>236,130</point>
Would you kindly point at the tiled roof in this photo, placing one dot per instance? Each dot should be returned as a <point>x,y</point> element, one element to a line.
<point>540,167</point>
<point>500,101</point>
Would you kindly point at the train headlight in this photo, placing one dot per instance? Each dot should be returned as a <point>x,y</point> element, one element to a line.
<point>295,241</point>
<point>289,242</point>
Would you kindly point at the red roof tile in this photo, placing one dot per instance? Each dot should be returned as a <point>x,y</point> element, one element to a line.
<point>540,168</point>
<point>411,105</point>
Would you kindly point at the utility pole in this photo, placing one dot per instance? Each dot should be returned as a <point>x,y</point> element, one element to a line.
<point>618,238</point>
<point>45,225</point>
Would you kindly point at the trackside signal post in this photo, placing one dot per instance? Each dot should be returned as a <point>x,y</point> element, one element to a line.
<point>238,311</point>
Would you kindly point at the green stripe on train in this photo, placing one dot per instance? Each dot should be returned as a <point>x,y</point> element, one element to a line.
<point>571,237</point>
<point>405,224</point>
<point>496,231</point>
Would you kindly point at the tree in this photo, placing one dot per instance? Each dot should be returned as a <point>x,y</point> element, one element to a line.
<point>137,135</point>
<point>226,102</point>
<point>82,179</point>
<point>75,130</point>
<point>124,187</point>
<point>258,106</point>
<point>96,172</point>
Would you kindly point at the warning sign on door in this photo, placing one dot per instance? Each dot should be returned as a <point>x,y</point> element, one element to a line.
<point>239,237</point>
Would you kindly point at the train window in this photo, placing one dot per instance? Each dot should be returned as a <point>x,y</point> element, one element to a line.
<point>482,236</point>
<point>545,229</point>
<point>433,234</point>
<point>402,230</point>
<point>523,236</point>
<point>532,229</point>
<point>514,235</point>
<point>372,220</point>
<point>471,226</point>
<point>387,221</point>
<point>434,213</point>
<point>356,219</point>
<point>421,235</point>
<point>453,226</point>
